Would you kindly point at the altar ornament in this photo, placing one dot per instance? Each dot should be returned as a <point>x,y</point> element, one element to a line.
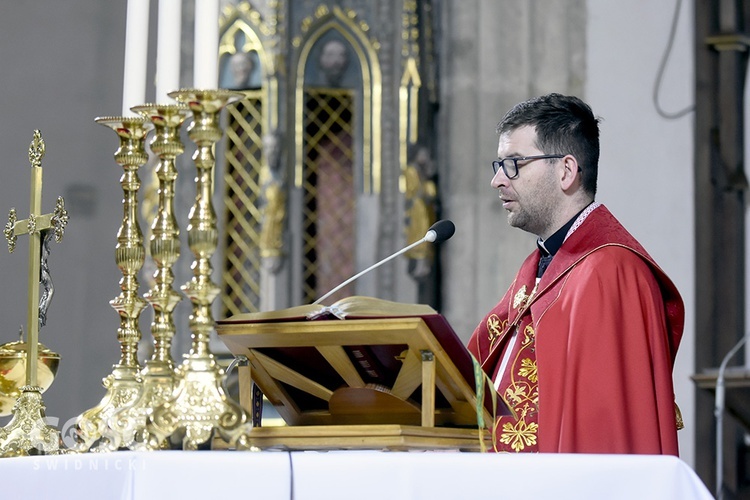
<point>13,371</point>
<point>27,433</point>
<point>200,407</point>
<point>92,431</point>
<point>158,375</point>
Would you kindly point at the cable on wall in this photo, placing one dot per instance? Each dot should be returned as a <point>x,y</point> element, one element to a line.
<point>662,67</point>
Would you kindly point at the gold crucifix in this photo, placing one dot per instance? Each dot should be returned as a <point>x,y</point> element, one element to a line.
<point>33,226</point>
<point>27,432</point>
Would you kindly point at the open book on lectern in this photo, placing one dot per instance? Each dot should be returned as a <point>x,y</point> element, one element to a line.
<point>359,361</point>
<point>356,306</point>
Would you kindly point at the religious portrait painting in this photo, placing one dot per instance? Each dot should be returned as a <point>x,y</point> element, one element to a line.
<point>240,71</point>
<point>332,63</point>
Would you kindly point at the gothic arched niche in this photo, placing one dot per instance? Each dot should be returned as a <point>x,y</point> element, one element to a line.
<point>245,66</point>
<point>337,149</point>
<point>243,62</point>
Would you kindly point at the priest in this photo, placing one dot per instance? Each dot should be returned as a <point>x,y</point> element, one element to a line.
<point>582,345</point>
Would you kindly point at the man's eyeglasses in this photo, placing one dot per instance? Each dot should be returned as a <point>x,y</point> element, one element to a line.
<point>510,164</point>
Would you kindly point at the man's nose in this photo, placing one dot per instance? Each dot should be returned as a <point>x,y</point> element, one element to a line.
<point>499,179</point>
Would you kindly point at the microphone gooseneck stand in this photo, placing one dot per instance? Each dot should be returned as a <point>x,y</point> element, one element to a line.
<point>439,231</point>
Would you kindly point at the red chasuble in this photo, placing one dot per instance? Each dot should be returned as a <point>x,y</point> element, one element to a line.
<point>590,369</point>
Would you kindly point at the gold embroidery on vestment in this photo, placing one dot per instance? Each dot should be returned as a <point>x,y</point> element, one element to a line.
<point>520,297</point>
<point>528,369</point>
<point>495,328</point>
<point>520,435</point>
<point>528,335</point>
<point>517,394</point>
<point>533,292</point>
<point>522,394</point>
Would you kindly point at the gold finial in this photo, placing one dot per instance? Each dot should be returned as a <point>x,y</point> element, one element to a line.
<point>9,230</point>
<point>59,219</point>
<point>36,149</point>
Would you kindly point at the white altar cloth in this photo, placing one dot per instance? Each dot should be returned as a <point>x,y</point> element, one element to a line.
<point>347,474</point>
<point>434,475</point>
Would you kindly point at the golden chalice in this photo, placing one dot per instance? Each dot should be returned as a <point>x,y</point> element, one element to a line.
<point>13,372</point>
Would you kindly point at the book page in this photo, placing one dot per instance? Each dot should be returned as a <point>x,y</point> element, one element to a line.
<point>365,307</point>
<point>355,306</point>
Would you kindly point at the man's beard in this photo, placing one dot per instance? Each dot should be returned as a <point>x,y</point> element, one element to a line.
<point>534,220</point>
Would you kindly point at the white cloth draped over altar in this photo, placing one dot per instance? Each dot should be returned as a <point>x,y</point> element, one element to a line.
<point>349,474</point>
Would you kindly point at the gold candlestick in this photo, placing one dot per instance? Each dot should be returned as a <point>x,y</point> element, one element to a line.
<point>124,383</point>
<point>27,430</point>
<point>200,407</point>
<point>158,375</point>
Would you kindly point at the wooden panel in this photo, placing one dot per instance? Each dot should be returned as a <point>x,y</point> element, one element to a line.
<point>410,376</point>
<point>364,437</point>
<point>428,389</point>
<point>337,357</point>
<point>287,375</point>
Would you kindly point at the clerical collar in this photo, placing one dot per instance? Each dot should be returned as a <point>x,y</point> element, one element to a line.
<point>551,245</point>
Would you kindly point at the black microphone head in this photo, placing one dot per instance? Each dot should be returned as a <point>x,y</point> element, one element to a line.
<point>440,231</point>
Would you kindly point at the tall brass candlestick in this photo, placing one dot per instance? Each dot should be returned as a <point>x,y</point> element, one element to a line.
<point>124,383</point>
<point>200,407</point>
<point>158,373</point>
<point>27,430</point>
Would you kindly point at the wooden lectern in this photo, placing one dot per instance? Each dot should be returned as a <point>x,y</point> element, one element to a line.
<point>364,382</point>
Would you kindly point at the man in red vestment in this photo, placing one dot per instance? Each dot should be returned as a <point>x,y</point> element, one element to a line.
<point>582,345</point>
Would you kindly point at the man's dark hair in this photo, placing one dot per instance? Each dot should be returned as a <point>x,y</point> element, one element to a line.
<point>564,125</point>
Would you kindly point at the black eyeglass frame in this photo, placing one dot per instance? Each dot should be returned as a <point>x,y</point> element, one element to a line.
<point>500,163</point>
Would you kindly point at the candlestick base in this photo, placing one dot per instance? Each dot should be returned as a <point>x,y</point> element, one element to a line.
<point>127,427</point>
<point>93,427</point>
<point>200,409</point>
<point>27,433</point>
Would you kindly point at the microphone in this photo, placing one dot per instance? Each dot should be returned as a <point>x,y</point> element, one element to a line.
<point>438,232</point>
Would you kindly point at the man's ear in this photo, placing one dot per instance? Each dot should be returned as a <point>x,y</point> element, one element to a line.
<point>569,173</point>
